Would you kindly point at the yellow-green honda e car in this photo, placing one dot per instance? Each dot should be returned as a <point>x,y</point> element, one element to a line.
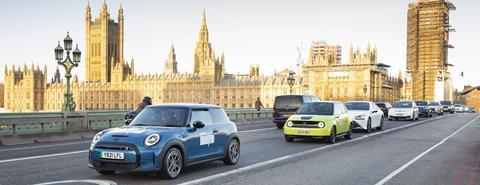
<point>319,119</point>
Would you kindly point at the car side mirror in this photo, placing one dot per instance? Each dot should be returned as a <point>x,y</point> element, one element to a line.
<point>128,121</point>
<point>198,124</point>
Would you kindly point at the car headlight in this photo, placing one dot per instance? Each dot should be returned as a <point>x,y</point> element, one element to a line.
<point>360,117</point>
<point>321,124</point>
<point>289,123</point>
<point>152,139</point>
<point>95,139</point>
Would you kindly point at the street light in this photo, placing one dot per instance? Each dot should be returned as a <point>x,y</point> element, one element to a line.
<point>365,91</point>
<point>291,80</point>
<point>68,64</point>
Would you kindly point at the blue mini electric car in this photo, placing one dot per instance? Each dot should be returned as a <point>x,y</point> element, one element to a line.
<point>166,138</point>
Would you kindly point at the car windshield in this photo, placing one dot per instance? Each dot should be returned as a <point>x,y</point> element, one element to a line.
<point>161,116</point>
<point>317,108</point>
<point>288,101</point>
<point>446,102</point>
<point>457,105</point>
<point>403,104</point>
<point>435,104</point>
<point>357,106</point>
<point>421,103</point>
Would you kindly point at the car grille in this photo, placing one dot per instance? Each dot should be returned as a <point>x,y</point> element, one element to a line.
<point>305,124</point>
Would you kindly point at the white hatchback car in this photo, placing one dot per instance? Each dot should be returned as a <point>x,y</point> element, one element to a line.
<point>403,110</point>
<point>365,115</point>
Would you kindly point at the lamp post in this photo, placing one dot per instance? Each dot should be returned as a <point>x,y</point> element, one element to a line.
<point>68,64</point>
<point>291,80</point>
<point>365,91</point>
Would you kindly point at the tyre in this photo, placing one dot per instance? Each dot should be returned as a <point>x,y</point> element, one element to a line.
<point>289,138</point>
<point>417,117</point>
<point>431,115</point>
<point>105,172</point>
<point>233,153</point>
<point>381,125</point>
<point>369,125</point>
<point>333,136</point>
<point>390,119</point>
<point>172,164</point>
<point>349,133</point>
<point>280,125</point>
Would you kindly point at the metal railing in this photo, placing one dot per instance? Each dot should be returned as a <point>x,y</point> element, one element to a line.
<point>49,122</point>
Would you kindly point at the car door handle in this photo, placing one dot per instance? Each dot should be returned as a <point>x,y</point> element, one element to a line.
<point>336,117</point>
<point>215,131</point>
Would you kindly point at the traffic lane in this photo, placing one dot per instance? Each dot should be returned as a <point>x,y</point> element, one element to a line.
<point>454,162</point>
<point>256,147</point>
<point>362,162</point>
<point>29,150</point>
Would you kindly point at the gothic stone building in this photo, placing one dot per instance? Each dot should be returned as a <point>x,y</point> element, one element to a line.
<point>112,84</point>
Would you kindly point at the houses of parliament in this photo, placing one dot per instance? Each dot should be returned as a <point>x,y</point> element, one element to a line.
<point>112,83</point>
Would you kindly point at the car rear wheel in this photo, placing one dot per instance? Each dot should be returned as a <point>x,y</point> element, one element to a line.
<point>233,153</point>
<point>369,125</point>
<point>349,133</point>
<point>105,172</point>
<point>172,163</point>
<point>280,125</point>
<point>381,125</point>
<point>289,138</point>
<point>333,136</point>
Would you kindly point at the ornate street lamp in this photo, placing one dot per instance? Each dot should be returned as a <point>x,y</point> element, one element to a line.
<point>291,80</point>
<point>68,64</point>
<point>365,91</point>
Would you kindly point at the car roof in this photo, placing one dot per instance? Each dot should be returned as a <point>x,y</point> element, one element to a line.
<point>357,102</point>
<point>186,105</point>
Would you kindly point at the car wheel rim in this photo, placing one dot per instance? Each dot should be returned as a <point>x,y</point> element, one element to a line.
<point>174,163</point>
<point>234,151</point>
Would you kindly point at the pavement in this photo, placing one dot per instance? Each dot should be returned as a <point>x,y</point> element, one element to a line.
<point>439,150</point>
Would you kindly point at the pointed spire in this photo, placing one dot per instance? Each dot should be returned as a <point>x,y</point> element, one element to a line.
<point>104,8</point>
<point>120,10</point>
<point>88,8</point>
<point>204,18</point>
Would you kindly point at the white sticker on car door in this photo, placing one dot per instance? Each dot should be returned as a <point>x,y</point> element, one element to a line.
<point>207,139</point>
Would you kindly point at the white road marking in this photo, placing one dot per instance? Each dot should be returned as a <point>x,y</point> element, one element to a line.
<point>42,156</point>
<point>403,167</point>
<point>287,157</point>
<point>44,146</point>
<point>98,182</point>
<point>256,130</point>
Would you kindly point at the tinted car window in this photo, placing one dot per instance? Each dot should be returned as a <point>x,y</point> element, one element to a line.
<point>403,104</point>
<point>421,103</point>
<point>314,98</point>
<point>317,108</point>
<point>307,99</point>
<point>435,104</point>
<point>219,116</point>
<point>161,116</point>
<point>457,105</point>
<point>446,102</point>
<point>201,115</point>
<point>357,106</point>
<point>288,101</point>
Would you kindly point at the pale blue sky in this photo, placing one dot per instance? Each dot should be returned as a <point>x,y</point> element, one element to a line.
<point>248,31</point>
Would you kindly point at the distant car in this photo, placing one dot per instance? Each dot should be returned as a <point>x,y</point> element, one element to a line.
<point>448,106</point>
<point>286,105</point>
<point>384,106</point>
<point>473,110</point>
<point>458,108</point>
<point>423,108</point>
<point>403,110</point>
<point>436,107</point>
<point>319,119</point>
<point>166,138</point>
<point>365,115</point>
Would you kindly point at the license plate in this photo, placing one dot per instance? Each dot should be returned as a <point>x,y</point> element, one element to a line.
<point>303,131</point>
<point>112,155</point>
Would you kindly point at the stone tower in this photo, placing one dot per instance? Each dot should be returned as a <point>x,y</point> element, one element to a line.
<point>25,88</point>
<point>104,44</point>
<point>205,63</point>
<point>171,62</point>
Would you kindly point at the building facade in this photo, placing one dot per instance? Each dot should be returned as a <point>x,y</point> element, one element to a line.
<point>427,49</point>
<point>473,98</point>
<point>112,83</point>
<point>1,96</point>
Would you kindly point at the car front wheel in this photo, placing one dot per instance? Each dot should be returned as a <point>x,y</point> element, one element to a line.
<point>369,125</point>
<point>172,163</point>
<point>289,138</point>
<point>381,125</point>
<point>279,125</point>
<point>333,136</point>
<point>349,133</point>
<point>233,153</point>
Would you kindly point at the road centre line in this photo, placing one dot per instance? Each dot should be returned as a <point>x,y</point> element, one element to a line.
<point>406,165</point>
<point>287,157</point>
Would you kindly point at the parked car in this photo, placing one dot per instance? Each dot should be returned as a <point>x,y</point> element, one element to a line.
<point>165,139</point>
<point>365,115</point>
<point>436,107</point>
<point>458,108</point>
<point>448,106</point>
<point>286,105</point>
<point>319,120</point>
<point>384,106</point>
<point>423,108</point>
<point>403,110</point>
<point>473,110</point>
